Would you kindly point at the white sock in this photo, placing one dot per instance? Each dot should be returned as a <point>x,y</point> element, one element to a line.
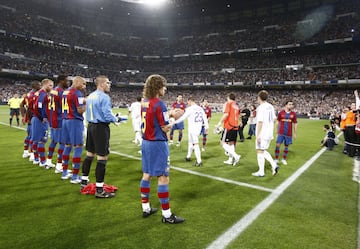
<point>190,149</point>
<point>146,207</point>
<point>166,213</point>
<point>261,163</point>
<point>268,157</point>
<point>197,153</point>
<point>85,178</point>
<point>99,184</point>
<point>230,149</point>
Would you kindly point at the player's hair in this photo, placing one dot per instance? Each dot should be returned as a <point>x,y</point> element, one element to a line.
<point>99,79</point>
<point>287,101</point>
<point>327,127</point>
<point>138,99</point>
<point>35,84</point>
<point>190,98</point>
<point>152,86</point>
<point>61,78</point>
<point>232,96</point>
<point>46,81</point>
<point>263,95</point>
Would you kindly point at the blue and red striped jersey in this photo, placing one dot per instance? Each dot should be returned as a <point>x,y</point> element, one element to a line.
<point>154,115</point>
<point>71,100</point>
<point>286,121</point>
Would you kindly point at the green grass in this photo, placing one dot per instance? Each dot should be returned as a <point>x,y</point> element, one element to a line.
<point>319,210</point>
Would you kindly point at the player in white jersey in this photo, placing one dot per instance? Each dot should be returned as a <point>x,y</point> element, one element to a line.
<point>135,111</point>
<point>265,118</point>
<point>196,119</point>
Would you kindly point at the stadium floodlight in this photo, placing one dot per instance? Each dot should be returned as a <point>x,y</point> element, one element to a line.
<point>154,3</point>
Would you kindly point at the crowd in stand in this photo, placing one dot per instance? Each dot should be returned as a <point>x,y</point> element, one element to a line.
<point>342,21</point>
<point>322,63</point>
<point>322,103</point>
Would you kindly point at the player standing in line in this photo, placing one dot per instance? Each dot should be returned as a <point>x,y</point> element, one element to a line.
<point>207,110</point>
<point>287,130</point>
<point>14,104</point>
<point>265,116</point>
<point>26,110</point>
<point>196,121</point>
<point>73,107</point>
<point>98,115</point>
<point>230,118</point>
<point>135,112</point>
<point>55,113</point>
<point>40,121</point>
<point>155,150</point>
<point>178,104</point>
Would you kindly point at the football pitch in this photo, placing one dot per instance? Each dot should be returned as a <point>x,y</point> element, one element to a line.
<point>311,203</point>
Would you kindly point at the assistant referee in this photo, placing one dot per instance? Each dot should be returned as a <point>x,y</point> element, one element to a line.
<point>99,115</point>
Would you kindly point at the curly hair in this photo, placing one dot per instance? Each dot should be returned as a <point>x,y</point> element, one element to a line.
<point>152,86</point>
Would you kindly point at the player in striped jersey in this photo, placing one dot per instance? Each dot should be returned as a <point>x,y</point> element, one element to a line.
<point>73,107</point>
<point>55,122</point>
<point>286,132</point>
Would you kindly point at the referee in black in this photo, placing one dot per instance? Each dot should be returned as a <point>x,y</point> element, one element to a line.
<point>99,115</point>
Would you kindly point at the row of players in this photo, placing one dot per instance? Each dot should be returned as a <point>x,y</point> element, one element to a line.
<point>62,109</point>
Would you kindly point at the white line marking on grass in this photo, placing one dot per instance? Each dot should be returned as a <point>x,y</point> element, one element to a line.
<point>186,170</point>
<point>233,232</point>
<point>204,175</point>
<point>223,179</point>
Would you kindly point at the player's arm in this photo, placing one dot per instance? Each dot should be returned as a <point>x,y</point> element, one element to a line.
<point>222,119</point>
<point>295,130</point>
<point>81,105</point>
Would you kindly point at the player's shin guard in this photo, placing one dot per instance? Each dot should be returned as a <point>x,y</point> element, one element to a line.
<point>66,158</point>
<point>261,163</point>
<point>87,165</point>
<point>60,152</point>
<point>163,194</point>
<point>277,152</point>
<point>286,150</point>
<point>41,151</point>
<point>269,158</point>
<point>204,140</point>
<point>180,135</point>
<point>100,171</point>
<point>76,161</point>
<point>197,153</point>
<point>145,194</point>
<point>51,149</point>
<point>190,149</point>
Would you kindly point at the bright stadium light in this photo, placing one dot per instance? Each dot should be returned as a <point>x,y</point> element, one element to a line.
<point>154,3</point>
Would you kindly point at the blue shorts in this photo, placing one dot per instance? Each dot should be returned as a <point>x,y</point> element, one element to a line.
<point>155,156</point>
<point>56,135</point>
<point>72,132</point>
<point>178,126</point>
<point>284,139</point>
<point>39,130</point>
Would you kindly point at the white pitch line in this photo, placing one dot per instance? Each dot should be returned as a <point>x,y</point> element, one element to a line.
<point>186,170</point>
<point>204,175</point>
<point>223,179</point>
<point>233,232</point>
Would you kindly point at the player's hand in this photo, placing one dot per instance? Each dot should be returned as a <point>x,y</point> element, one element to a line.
<point>117,123</point>
<point>23,121</point>
<point>45,120</point>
